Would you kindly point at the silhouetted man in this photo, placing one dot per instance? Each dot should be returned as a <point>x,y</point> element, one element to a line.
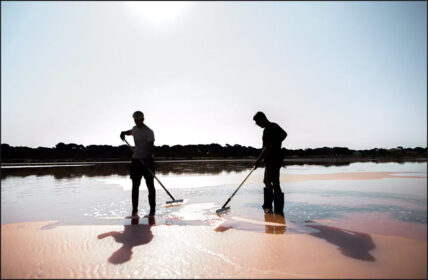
<point>273,135</point>
<point>144,139</point>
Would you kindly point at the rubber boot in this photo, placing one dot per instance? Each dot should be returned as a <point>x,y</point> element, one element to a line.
<point>268,198</point>
<point>151,220</point>
<point>278,200</point>
<point>152,203</point>
<point>134,210</point>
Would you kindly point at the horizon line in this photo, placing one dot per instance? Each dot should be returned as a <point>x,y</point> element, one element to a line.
<point>225,145</point>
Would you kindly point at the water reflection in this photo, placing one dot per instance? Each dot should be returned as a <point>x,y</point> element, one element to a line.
<point>98,200</point>
<point>108,169</point>
<point>273,224</point>
<point>213,167</point>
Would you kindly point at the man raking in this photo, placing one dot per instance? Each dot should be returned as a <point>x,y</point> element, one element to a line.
<point>273,135</point>
<point>142,159</point>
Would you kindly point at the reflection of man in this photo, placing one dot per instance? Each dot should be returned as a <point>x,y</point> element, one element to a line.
<point>273,135</point>
<point>275,224</point>
<point>144,139</point>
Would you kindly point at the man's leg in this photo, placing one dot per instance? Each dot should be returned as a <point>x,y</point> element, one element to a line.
<point>267,192</point>
<point>152,194</point>
<point>151,187</point>
<point>136,175</point>
<point>278,195</point>
<point>135,191</point>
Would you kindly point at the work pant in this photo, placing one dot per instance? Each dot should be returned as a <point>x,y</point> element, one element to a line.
<point>138,170</point>
<point>272,192</point>
<point>271,177</point>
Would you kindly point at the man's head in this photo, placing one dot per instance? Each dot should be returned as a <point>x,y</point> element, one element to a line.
<point>138,118</point>
<point>260,119</point>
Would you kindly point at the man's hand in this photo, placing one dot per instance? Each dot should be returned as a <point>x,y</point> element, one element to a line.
<point>256,163</point>
<point>122,135</point>
<point>260,158</point>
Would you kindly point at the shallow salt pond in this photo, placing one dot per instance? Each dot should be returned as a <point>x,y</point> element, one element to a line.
<point>101,194</point>
<point>361,220</point>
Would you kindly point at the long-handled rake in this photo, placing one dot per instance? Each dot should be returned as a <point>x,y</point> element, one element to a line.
<point>225,209</point>
<point>173,201</point>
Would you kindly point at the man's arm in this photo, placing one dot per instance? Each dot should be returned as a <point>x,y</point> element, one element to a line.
<point>150,146</point>
<point>284,134</point>
<point>266,150</point>
<point>123,133</point>
<point>151,141</point>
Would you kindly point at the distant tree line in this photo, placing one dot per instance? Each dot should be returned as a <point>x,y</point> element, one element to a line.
<point>75,152</point>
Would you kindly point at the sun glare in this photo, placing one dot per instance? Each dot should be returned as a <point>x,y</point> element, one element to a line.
<point>158,11</point>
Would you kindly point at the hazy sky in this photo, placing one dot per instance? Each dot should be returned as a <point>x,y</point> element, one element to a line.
<point>330,73</point>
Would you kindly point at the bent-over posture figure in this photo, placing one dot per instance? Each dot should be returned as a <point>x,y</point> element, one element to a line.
<point>273,135</point>
<point>144,140</point>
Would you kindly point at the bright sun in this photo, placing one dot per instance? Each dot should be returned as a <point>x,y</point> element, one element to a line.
<point>158,11</point>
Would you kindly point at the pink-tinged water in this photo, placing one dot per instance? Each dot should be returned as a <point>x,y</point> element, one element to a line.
<point>363,220</point>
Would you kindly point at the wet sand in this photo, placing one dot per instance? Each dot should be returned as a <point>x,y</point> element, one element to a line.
<point>229,248</point>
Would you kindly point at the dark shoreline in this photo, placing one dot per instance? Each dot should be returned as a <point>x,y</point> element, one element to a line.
<point>204,152</point>
<point>287,161</point>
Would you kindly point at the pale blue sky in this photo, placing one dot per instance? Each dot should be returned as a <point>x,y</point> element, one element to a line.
<point>330,73</point>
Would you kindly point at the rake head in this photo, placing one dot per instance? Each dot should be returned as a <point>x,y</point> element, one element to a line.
<point>222,211</point>
<point>173,203</point>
